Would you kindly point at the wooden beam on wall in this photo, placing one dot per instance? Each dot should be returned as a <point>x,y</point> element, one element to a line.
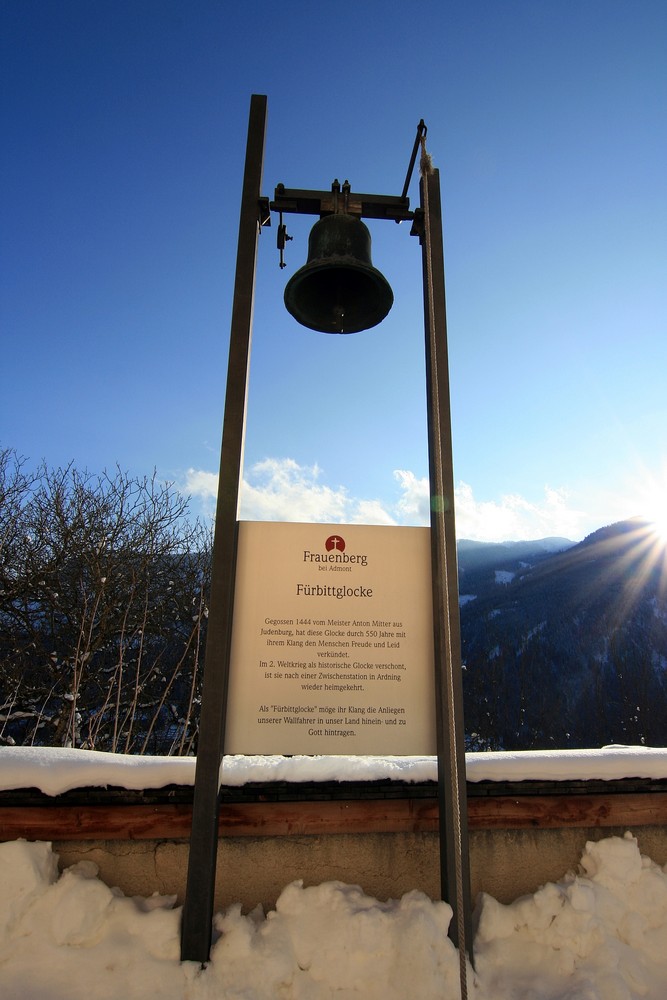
<point>319,818</point>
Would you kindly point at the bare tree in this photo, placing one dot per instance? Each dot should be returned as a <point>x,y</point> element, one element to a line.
<point>103,590</point>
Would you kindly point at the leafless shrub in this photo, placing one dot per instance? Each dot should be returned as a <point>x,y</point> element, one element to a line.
<point>103,589</point>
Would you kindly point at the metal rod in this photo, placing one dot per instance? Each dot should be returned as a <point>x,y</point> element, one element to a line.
<point>421,131</point>
<point>454,852</point>
<point>198,908</point>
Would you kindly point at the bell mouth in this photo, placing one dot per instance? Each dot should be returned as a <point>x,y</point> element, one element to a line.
<point>338,295</point>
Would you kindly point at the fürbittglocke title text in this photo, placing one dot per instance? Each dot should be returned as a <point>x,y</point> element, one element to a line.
<point>315,590</point>
<point>334,560</point>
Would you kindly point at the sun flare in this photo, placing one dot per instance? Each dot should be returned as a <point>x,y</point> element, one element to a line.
<point>655,514</point>
<point>659,525</point>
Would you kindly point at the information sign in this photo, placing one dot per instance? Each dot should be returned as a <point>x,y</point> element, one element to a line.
<point>332,643</point>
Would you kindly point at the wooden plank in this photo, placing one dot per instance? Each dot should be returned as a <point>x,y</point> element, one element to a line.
<point>284,819</point>
<point>556,811</point>
<point>95,822</point>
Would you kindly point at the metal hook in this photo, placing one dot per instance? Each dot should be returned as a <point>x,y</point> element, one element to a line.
<point>281,239</point>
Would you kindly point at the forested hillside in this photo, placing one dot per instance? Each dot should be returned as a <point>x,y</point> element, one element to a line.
<point>568,649</point>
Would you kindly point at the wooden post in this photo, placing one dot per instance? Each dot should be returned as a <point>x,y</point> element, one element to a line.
<point>454,852</point>
<point>198,908</point>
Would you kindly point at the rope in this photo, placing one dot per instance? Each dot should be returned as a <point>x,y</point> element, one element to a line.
<point>426,168</point>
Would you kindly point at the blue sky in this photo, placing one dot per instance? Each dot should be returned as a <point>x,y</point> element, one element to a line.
<point>123,141</point>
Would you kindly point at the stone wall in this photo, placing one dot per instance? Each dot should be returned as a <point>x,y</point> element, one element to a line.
<point>254,870</point>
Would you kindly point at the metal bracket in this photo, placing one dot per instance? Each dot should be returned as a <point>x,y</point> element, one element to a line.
<point>263,212</point>
<point>418,224</point>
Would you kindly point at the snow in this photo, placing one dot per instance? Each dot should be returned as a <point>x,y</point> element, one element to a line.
<point>504,576</point>
<point>55,770</point>
<point>600,934</point>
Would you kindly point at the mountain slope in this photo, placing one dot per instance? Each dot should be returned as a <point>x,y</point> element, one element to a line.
<point>570,650</point>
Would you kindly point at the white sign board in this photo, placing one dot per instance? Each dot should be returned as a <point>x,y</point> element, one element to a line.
<point>332,643</point>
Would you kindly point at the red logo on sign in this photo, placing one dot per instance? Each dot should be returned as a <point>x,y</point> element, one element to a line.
<point>335,542</point>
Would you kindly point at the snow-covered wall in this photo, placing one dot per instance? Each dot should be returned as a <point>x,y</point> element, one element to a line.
<point>55,771</point>
<point>252,869</point>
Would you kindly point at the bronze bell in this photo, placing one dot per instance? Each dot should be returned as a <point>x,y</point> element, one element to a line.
<point>338,290</point>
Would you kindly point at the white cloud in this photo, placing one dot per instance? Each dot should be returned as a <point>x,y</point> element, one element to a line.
<point>371,512</point>
<point>282,490</point>
<point>513,518</point>
<point>203,486</point>
<point>414,505</point>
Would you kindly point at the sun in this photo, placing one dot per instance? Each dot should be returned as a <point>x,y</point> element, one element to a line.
<point>659,525</point>
<point>655,511</point>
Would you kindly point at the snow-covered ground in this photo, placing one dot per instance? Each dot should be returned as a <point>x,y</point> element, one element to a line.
<point>597,934</point>
<point>600,934</point>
